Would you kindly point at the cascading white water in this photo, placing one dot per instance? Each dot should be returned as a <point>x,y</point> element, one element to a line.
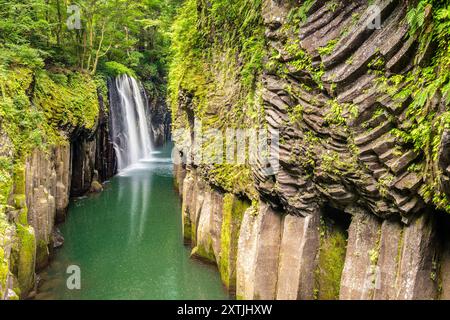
<point>130,130</point>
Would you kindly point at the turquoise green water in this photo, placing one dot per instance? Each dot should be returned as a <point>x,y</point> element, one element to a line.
<point>128,244</point>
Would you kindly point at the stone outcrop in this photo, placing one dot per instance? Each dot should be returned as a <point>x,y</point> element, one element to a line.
<point>365,154</point>
<point>160,121</point>
<point>47,179</point>
<point>299,244</point>
<point>105,156</point>
<point>348,215</point>
<point>266,254</point>
<point>93,156</point>
<point>83,164</point>
<point>40,197</point>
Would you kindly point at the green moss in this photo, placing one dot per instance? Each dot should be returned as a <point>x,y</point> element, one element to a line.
<point>115,69</point>
<point>193,232</point>
<point>340,113</point>
<point>6,182</point>
<point>74,104</point>
<point>429,22</point>
<point>42,253</point>
<point>26,260</point>
<point>19,179</point>
<point>3,269</point>
<point>102,87</point>
<point>235,179</point>
<point>204,252</point>
<point>326,50</point>
<point>333,163</point>
<point>217,47</point>
<point>187,226</point>
<point>333,246</point>
<point>296,114</point>
<point>299,14</point>
<point>233,212</point>
<point>36,105</point>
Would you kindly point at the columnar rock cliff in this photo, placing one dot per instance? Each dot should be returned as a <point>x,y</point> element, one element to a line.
<point>359,93</point>
<point>71,151</point>
<point>54,144</point>
<point>160,121</point>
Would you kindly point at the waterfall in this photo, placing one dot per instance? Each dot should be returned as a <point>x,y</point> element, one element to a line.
<point>130,131</point>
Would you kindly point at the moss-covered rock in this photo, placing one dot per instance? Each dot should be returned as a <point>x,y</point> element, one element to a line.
<point>27,257</point>
<point>332,250</point>
<point>39,110</point>
<point>69,105</point>
<point>233,212</point>
<point>3,270</point>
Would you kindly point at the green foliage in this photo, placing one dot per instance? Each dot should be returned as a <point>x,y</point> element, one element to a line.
<point>416,16</point>
<point>23,21</point>
<point>185,67</point>
<point>3,267</point>
<point>429,22</point>
<point>115,69</point>
<point>340,113</point>
<point>332,163</point>
<point>6,182</point>
<point>300,60</point>
<point>23,123</point>
<point>67,106</point>
<point>300,13</point>
<point>199,31</point>
<point>233,178</point>
<point>326,50</point>
<point>12,55</point>
<point>35,107</point>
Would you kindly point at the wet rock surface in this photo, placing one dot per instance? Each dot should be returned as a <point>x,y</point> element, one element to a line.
<point>350,163</point>
<point>160,120</point>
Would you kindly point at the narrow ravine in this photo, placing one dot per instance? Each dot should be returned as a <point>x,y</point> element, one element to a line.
<point>128,244</point>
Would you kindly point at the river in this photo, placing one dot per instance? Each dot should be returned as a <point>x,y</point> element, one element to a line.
<point>127,242</point>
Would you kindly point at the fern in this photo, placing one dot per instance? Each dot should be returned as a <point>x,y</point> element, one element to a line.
<point>416,17</point>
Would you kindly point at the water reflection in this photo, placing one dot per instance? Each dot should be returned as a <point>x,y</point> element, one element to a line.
<point>128,243</point>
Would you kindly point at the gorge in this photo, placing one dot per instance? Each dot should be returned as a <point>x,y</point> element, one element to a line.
<point>352,204</point>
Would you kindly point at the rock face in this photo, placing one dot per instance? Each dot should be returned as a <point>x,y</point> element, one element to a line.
<point>47,192</point>
<point>40,198</point>
<point>105,156</point>
<point>349,214</point>
<point>83,155</point>
<point>266,254</point>
<point>93,156</point>
<point>160,121</point>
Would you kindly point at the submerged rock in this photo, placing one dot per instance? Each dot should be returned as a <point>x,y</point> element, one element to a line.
<point>96,187</point>
<point>57,238</point>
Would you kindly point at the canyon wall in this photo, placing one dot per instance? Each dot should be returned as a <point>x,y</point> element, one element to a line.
<point>160,121</point>
<point>38,182</point>
<point>264,253</point>
<point>358,207</point>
